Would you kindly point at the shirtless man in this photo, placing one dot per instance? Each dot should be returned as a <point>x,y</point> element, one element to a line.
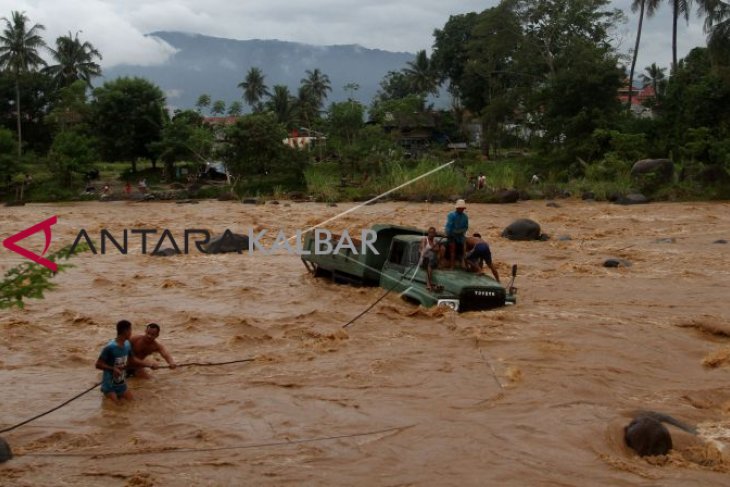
<point>430,250</point>
<point>144,345</point>
<point>479,254</point>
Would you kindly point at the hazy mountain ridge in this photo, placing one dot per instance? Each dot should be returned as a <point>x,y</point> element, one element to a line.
<point>216,66</point>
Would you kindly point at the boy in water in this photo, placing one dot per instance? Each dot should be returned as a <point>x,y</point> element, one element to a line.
<point>113,362</point>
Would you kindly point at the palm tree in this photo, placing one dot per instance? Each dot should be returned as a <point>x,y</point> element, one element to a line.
<point>305,106</point>
<point>655,77</point>
<point>282,104</point>
<point>235,109</point>
<point>717,26</point>
<point>420,74</point>
<point>219,107</point>
<point>650,6</point>
<point>203,102</point>
<point>75,61</point>
<point>679,7</point>
<point>317,84</point>
<point>254,88</point>
<point>19,54</point>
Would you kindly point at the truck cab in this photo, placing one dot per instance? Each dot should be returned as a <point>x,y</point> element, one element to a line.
<point>459,289</point>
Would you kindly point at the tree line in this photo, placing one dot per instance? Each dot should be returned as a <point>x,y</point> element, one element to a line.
<point>542,75</point>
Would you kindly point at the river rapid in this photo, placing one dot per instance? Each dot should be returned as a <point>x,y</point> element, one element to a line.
<point>532,394</point>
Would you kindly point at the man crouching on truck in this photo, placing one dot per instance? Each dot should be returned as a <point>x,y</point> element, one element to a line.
<point>479,254</point>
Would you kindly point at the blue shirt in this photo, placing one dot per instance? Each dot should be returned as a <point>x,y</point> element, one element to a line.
<point>114,355</point>
<point>456,225</point>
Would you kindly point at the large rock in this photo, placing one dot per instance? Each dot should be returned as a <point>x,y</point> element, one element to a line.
<point>663,167</point>
<point>632,199</point>
<point>648,437</point>
<point>228,242</point>
<point>168,252</point>
<point>507,196</point>
<point>523,229</point>
<point>5,452</point>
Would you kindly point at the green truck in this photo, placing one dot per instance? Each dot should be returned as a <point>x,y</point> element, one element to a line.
<point>394,265</point>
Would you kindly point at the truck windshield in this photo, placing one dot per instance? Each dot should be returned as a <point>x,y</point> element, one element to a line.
<point>404,253</point>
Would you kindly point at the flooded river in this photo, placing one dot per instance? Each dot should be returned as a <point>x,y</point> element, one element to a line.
<point>532,394</point>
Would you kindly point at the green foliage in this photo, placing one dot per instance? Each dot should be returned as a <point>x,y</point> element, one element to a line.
<point>254,145</point>
<point>385,111</point>
<point>8,161</point>
<point>697,97</point>
<point>345,120</point>
<point>70,110</point>
<point>30,280</point>
<point>50,190</point>
<point>442,184</point>
<point>322,181</point>
<point>71,152</point>
<point>625,146</point>
<point>183,138</point>
<point>256,185</point>
<point>610,168</point>
<point>128,115</point>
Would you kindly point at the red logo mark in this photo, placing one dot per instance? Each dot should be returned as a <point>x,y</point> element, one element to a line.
<point>10,243</point>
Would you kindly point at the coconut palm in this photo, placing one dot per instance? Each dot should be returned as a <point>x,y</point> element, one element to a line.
<point>655,77</point>
<point>717,26</point>
<point>306,108</point>
<point>679,7</point>
<point>75,61</point>
<point>650,6</point>
<point>235,109</point>
<point>282,104</point>
<point>420,74</point>
<point>219,107</point>
<point>254,88</point>
<point>19,47</point>
<point>203,102</point>
<point>317,84</point>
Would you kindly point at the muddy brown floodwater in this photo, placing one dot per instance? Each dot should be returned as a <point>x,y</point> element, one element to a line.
<point>533,394</point>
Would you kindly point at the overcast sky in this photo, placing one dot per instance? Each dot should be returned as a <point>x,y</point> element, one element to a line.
<point>117,27</point>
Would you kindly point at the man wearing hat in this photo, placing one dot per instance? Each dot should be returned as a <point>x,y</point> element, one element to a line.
<point>457,223</point>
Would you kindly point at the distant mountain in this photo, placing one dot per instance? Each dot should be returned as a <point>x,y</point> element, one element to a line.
<point>216,66</point>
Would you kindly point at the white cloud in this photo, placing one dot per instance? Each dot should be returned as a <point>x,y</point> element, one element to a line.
<point>117,27</point>
<point>114,35</point>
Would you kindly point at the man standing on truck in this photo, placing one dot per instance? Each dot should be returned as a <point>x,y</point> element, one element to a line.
<point>430,250</point>
<point>457,223</point>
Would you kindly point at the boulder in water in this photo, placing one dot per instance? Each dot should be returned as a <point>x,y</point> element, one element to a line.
<point>228,242</point>
<point>5,452</point>
<point>166,252</point>
<point>632,199</point>
<point>523,229</point>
